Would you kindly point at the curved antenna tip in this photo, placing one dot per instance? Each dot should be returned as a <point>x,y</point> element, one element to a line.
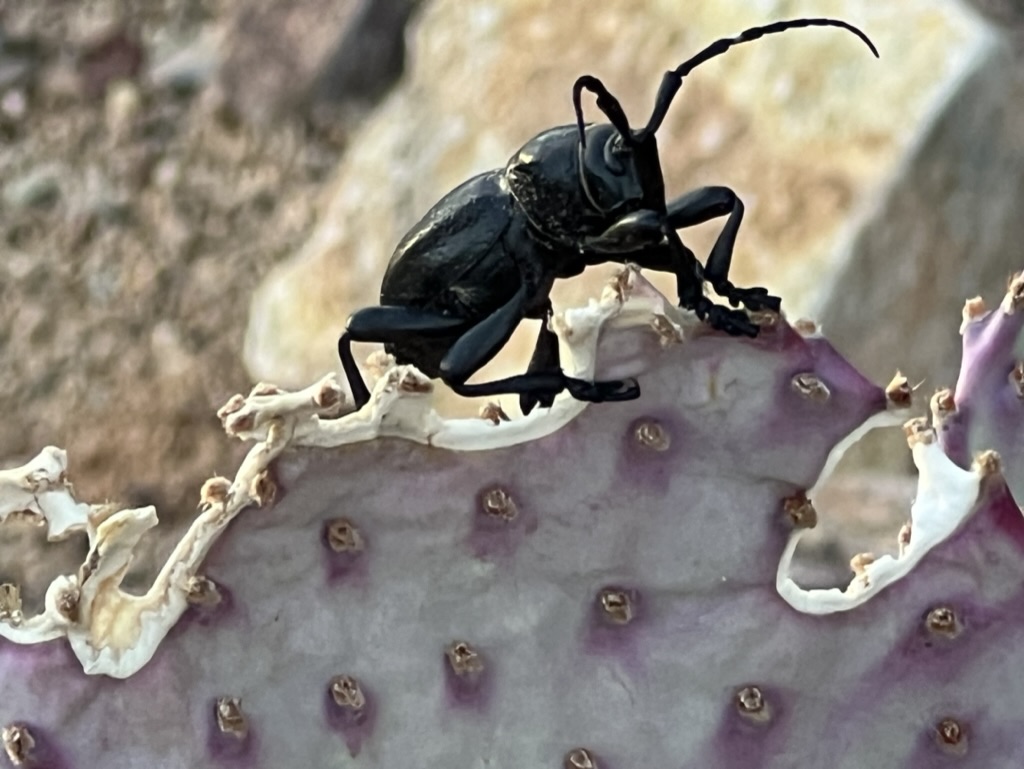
<point>866,39</point>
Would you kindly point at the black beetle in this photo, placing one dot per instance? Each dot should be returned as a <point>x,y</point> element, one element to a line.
<point>487,255</point>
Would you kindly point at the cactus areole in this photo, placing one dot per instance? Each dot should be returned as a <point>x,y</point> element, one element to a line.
<point>604,586</point>
<point>486,256</point>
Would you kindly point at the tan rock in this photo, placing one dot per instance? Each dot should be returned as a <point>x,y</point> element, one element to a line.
<point>282,56</point>
<point>272,50</point>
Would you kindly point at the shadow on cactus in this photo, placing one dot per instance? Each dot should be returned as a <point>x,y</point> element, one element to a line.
<point>588,586</point>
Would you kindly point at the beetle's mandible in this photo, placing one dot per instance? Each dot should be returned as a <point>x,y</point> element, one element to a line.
<point>486,256</point>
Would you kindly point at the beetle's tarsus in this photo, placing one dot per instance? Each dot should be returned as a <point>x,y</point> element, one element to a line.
<point>754,299</point>
<point>733,322</point>
<point>543,386</point>
<point>601,392</point>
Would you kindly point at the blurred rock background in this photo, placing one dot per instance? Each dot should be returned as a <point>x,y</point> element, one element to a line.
<point>195,193</point>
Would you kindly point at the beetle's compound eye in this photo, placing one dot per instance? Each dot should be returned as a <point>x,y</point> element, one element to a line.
<point>615,155</point>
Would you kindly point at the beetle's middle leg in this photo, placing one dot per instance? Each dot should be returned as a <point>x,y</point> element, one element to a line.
<point>708,203</point>
<point>541,383</point>
<point>545,358</point>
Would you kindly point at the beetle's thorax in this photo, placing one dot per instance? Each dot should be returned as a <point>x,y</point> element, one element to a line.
<point>569,193</point>
<point>542,178</point>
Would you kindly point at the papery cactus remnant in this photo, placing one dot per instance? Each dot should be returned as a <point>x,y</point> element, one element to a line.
<point>601,586</point>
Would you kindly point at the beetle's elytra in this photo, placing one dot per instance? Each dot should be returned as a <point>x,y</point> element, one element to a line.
<point>486,256</point>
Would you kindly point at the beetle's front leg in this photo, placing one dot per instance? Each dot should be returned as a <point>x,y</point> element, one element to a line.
<point>656,247</point>
<point>709,203</point>
<point>734,322</point>
<point>674,257</point>
<point>633,232</point>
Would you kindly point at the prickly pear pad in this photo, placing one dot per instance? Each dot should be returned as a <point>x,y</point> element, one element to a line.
<point>584,585</point>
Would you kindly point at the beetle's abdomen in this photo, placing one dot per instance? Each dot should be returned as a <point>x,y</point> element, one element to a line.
<point>454,260</point>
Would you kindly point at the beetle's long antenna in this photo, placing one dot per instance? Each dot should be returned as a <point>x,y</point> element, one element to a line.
<point>607,103</point>
<point>674,79</point>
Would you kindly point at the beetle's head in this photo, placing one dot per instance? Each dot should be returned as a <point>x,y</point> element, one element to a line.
<point>618,176</point>
<point>620,171</point>
<point>619,167</point>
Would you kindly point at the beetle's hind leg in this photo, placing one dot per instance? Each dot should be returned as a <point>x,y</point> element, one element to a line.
<point>389,324</point>
<point>709,203</point>
<point>544,386</point>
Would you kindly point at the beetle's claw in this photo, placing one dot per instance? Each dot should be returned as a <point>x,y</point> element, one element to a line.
<point>754,299</point>
<point>528,401</point>
<point>601,392</point>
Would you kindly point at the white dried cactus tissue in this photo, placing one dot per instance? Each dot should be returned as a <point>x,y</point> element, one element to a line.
<point>560,590</point>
